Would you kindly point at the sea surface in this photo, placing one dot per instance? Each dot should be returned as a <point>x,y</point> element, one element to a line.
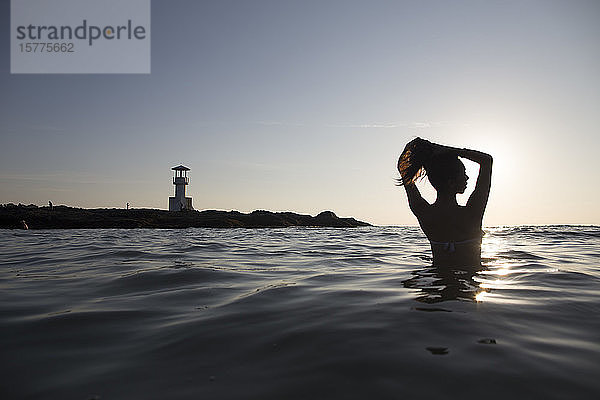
<point>297,313</point>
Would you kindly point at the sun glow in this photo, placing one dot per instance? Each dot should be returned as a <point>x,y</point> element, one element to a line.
<point>481,296</point>
<point>498,141</point>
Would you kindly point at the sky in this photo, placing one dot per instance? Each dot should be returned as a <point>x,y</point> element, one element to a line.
<point>305,106</point>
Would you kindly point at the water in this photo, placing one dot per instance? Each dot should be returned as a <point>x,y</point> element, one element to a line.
<point>296,314</point>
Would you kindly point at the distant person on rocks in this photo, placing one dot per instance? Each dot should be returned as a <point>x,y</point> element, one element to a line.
<point>128,205</point>
<point>50,205</point>
<point>454,231</point>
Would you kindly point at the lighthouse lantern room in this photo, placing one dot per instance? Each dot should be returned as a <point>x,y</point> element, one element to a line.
<point>179,202</point>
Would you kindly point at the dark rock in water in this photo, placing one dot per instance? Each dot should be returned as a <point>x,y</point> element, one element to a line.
<point>432,309</point>
<point>63,217</point>
<point>438,351</point>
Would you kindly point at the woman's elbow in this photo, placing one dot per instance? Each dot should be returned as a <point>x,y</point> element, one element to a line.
<point>489,160</point>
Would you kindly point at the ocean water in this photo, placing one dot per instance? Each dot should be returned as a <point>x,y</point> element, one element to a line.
<point>297,313</point>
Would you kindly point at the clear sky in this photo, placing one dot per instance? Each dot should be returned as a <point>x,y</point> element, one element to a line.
<point>305,106</point>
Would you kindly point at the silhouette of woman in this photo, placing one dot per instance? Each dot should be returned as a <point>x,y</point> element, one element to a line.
<point>454,231</point>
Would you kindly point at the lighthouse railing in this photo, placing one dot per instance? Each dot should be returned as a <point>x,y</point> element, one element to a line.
<point>181,180</point>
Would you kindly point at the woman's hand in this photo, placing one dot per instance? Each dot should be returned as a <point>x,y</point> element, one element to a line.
<point>418,142</point>
<point>419,146</point>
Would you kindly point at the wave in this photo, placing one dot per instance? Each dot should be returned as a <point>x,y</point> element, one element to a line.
<point>296,313</point>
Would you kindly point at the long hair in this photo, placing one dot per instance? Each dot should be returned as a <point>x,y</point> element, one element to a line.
<point>418,160</point>
<point>412,161</point>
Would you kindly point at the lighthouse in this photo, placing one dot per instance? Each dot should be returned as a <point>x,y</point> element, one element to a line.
<point>179,202</point>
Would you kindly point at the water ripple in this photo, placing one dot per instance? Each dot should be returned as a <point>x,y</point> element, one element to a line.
<point>296,313</point>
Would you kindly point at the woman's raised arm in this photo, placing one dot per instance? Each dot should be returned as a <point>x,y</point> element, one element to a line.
<point>410,166</point>
<point>478,199</point>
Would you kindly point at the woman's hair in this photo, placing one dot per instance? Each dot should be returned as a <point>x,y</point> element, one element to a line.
<point>418,160</point>
<point>412,161</point>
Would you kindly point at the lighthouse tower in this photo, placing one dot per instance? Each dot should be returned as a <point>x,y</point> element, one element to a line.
<point>179,202</point>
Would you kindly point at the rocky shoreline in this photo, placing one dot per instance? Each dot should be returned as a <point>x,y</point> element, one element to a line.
<point>63,217</point>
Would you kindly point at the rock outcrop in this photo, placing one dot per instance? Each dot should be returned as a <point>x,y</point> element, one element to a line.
<point>63,217</point>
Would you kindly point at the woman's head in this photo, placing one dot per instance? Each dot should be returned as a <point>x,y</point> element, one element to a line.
<point>446,173</point>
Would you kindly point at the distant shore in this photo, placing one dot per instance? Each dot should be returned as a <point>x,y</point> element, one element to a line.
<point>63,217</point>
